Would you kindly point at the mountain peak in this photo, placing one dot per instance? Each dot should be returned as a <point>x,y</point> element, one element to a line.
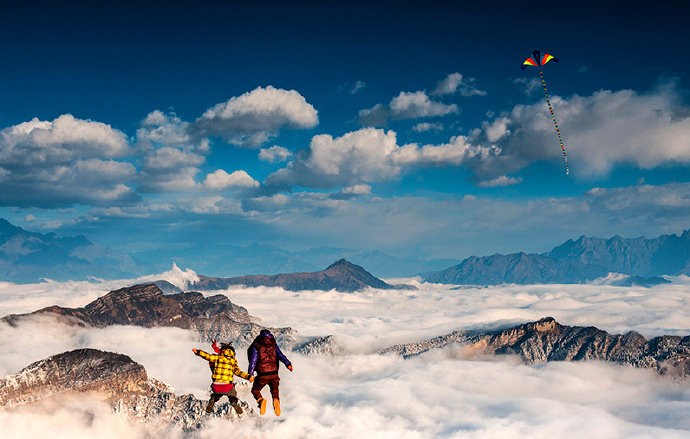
<point>343,263</point>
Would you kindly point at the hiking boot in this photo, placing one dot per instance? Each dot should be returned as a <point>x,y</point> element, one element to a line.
<point>238,408</point>
<point>209,407</point>
<point>262,406</point>
<point>276,406</point>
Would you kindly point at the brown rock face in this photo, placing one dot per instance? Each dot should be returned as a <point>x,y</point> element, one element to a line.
<point>146,305</point>
<point>113,378</point>
<point>547,340</point>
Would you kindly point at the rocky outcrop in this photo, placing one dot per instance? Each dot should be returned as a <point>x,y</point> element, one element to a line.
<point>146,305</point>
<point>340,276</point>
<point>547,340</point>
<point>327,345</point>
<point>113,378</point>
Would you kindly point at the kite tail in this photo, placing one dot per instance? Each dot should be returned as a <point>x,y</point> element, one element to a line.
<point>565,157</point>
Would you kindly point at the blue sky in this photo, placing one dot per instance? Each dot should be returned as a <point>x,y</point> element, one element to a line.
<point>396,126</point>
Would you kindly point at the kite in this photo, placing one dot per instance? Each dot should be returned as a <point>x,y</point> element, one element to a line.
<point>538,60</point>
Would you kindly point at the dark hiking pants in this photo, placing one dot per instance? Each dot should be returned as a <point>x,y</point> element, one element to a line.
<point>232,396</point>
<point>272,381</point>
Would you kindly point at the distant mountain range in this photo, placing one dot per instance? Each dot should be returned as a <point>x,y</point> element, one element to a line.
<point>258,259</point>
<point>341,276</point>
<point>578,261</point>
<point>28,257</point>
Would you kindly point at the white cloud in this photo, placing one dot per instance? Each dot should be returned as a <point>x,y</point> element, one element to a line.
<point>412,105</point>
<point>369,155</point>
<point>454,153</point>
<point>161,129</point>
<point>64,162</point>
<point>274,154</point>
<point>220,179</point>
<point>407,105</point>
<point>357,87</point>
<point>501,181</point>
<point>455,83</point>
<point>44,142</point>
<point>426,126</point>
<point>497,129</point>
<point>255,117</point>
<point>358,189</point>
<point>600,131</point>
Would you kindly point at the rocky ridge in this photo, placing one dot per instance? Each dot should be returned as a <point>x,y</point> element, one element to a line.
<point>340,276</point>
<point>547,340</point>
<point>147,306</point>
<point>112,378</point>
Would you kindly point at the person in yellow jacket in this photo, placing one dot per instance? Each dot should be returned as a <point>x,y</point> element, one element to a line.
<point>224,369</point>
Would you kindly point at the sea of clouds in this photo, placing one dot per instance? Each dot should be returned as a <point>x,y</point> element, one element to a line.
<point>438,394</point>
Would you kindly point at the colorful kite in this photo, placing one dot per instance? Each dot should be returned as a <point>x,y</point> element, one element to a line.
<point>538,60</point>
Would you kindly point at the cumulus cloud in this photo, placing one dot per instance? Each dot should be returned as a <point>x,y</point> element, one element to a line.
<point>456,83</point>
<point>407,105</point>
<point>274,154</point>
<point>368,155</point>
<point>455,152</point>
<point>64,162</point>
<point>412,105</point>
<point>426,126</point>
<point>606,128</point>
<point>350,192</point>
<point>220,179</point>
<point>161,129</point>
<point>501,181</point>
<point>255,117</point>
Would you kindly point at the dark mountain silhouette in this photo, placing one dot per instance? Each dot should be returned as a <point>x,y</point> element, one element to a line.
<point>547,340</point>
<point>146,305</point>
<point>27,257</point>
<point>577,261</point>
<point>341,276</point>
<point>112,378</point>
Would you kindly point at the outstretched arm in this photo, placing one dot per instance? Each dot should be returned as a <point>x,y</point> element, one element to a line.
<point>204,355</point>
<point>283,358</point>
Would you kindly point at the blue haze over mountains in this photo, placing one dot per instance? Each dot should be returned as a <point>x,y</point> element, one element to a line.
<point>28,257</point>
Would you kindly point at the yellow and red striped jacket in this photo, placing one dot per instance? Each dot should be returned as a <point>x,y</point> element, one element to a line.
<point>224,366</point>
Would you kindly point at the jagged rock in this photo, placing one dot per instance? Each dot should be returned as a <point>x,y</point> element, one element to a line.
<point>327,345</point>
<point>113,378</point>
<point>547,340</point>
<point>146,305</point>
<point>167,288</point>
<point>340,276</point>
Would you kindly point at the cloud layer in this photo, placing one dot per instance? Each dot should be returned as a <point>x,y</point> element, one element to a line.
<point>438,394</point>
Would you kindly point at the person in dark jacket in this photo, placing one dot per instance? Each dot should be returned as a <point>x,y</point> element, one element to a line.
<point>264,356</point>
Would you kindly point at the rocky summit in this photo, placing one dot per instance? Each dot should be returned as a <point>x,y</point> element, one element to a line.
<point>112,378</point>
<point>547,340</point>
<point>146,305</point>
<point>340,276</point>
